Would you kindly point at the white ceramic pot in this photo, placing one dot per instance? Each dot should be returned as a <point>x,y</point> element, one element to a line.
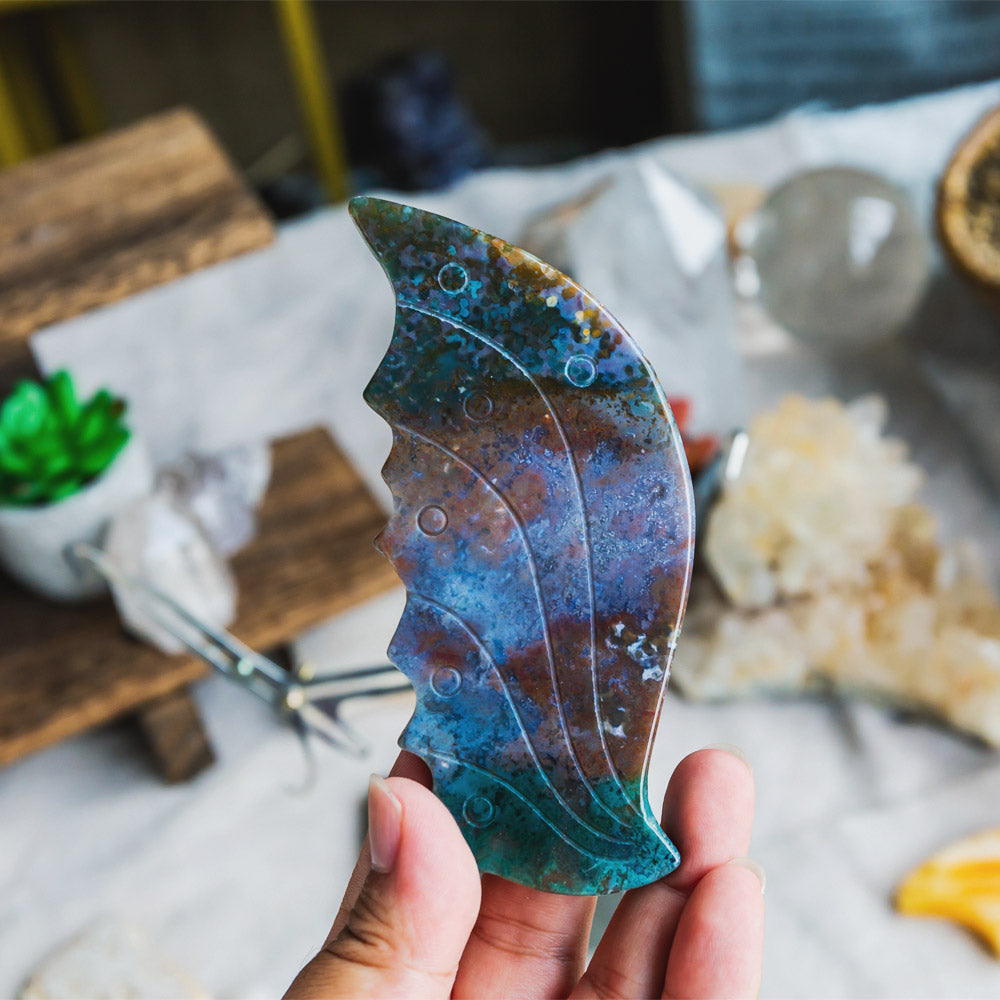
<point>33,539</point>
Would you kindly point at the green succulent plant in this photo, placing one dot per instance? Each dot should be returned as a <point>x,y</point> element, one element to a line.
<point>52,445</point>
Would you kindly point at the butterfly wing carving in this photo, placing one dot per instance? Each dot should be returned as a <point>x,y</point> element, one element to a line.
<point>543,528</point>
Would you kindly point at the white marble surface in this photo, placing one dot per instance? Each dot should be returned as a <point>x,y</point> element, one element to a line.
<point>237,877</point>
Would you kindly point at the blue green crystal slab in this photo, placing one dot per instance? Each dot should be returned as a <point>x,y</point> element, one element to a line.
<point>543,528</point>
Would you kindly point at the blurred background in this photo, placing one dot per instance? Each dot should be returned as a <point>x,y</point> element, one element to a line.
<point>542,81</point>
<point>793,208</point>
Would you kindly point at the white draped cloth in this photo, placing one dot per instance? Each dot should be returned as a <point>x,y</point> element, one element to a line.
<point>237,875</point>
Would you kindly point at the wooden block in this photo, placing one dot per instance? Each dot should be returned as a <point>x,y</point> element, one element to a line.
<point>92,223</point>
<point>66,668</point>
<point>172,728</point>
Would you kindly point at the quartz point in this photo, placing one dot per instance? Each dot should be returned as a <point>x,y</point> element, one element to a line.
<point>221,491</point>
<point>155,540</point>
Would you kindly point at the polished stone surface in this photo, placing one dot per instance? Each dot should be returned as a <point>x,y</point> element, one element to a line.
<point>543,526</point>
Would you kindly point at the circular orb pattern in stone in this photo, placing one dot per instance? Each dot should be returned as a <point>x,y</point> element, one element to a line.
<point>432,520</point>
<point>446,682</point>
<point>453,278</point>
<point>478,811</point>
<point>580,370</point>
<point>478,405</point>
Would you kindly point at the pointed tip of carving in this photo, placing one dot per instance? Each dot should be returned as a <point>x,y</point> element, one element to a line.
<point>370,215</point>
<point>375,217</point>
<point>360,209</point>
<point>364,207</point>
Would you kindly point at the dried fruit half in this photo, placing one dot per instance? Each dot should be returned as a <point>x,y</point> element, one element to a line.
<point>968,209</point>
<point>960,883</point>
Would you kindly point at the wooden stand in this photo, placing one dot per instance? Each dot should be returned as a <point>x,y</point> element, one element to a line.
<point>172,728</point>
<point>67,668</point>
<point>84,227</point>
<point>99,221</point>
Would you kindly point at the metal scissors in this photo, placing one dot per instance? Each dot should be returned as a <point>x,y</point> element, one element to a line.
<point>312,704</point>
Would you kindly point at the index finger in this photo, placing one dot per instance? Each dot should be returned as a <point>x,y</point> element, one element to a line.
<point>708,813</point>
<point>407,765</point>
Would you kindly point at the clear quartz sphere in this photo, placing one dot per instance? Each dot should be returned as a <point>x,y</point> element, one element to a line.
<point>836,256</point>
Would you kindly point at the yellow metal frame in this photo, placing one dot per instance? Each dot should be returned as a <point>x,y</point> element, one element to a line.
<point>75,79</point>
<point>30,103</point>
<point>305,56</point>
<point>27,127</point>
<point>14,145</point>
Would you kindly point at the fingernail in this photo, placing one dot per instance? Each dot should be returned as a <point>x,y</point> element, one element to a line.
<point>385,822</point>
<point>755,867</point>
<point>732,749</point>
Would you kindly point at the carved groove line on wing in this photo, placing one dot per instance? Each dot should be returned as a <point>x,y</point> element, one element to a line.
<point>539,599</point>
<point>477,640</point>
<point>647,757</point>
<point>441,755</point>
<point>599,718</point>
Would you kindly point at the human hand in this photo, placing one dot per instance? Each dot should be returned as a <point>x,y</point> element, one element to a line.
<point>417,920</point>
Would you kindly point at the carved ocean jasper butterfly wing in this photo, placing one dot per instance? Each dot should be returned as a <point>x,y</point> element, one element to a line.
<point>543,528</point>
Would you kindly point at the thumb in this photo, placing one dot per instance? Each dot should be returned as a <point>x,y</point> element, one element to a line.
<point>405,933</point>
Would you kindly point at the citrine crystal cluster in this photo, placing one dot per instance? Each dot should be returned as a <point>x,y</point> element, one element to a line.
<point>831,572</point>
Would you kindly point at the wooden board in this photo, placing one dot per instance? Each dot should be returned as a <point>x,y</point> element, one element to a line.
<point>66,668</point>
<point>90,224</point>
<point>175,736</point>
